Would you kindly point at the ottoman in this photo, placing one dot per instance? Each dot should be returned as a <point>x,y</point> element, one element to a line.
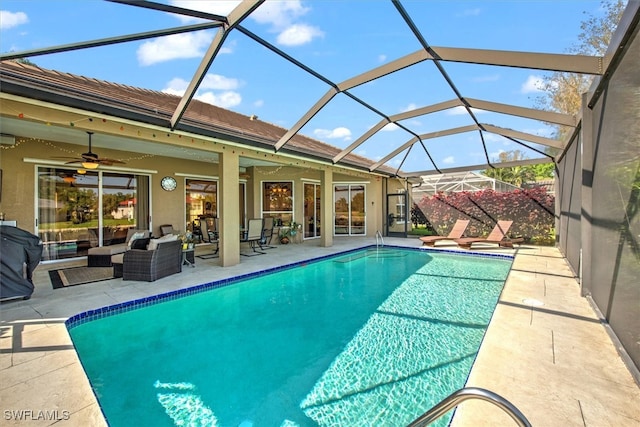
<point>117,261</point>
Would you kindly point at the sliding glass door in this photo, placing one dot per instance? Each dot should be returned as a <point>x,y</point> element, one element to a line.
<point>80,209</point>
<point>349,213</point>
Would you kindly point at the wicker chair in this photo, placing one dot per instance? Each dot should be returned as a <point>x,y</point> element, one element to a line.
<point>150,265</point>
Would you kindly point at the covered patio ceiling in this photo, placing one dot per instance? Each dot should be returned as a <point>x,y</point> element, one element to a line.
<point>452,106</point>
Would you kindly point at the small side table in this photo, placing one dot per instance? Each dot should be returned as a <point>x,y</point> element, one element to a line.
<point>188,257</point>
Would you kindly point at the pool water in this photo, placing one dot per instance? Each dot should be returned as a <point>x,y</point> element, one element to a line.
<point>368,338</point>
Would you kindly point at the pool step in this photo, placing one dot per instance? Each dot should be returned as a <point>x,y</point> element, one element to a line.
<point>369,253</point>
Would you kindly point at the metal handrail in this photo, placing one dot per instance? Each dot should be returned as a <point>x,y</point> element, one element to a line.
<point>379,236</point>
<point>460,396</point>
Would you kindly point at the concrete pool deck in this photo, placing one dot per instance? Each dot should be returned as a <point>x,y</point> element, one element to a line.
<point>546,350</point>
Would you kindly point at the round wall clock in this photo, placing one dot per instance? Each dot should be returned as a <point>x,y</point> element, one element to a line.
<point>168,183</point>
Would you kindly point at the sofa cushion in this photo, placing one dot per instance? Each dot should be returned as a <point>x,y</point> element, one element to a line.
<point>108,250</point>
<point>153,243</point>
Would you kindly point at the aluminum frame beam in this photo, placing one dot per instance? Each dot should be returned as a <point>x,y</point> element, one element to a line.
<point>237,15</point>
<point>469,168</point>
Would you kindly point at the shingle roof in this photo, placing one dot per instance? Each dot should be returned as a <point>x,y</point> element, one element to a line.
<point>155,107</point>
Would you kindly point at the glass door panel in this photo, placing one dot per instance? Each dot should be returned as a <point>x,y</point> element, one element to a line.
<point>201,201</point>
<point>67,212</point>
<point>311,223</point>
<point>341,209</point>
<point>119,195</point>
<point>358,215</point>
<point>397,214</point>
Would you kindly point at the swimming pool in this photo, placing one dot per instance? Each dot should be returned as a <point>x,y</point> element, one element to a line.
<point>365,338</point>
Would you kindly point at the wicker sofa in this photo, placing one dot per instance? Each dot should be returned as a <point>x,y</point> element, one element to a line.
<point>154,264</point>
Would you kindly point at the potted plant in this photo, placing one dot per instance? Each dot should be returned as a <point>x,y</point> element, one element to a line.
<point>188,241</point>
<point>288,233</point>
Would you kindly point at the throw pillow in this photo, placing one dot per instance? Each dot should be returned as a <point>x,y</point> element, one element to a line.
<point>140,243</point>
<point>153,244</point>
<point>135,236</point>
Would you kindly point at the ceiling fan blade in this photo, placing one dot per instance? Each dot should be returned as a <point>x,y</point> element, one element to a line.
<point>108,162</point>
<point>66,158</point>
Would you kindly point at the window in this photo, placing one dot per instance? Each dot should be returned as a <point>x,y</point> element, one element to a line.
<point>277,201</point>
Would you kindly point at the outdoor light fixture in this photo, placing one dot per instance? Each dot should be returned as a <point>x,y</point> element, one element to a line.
<point>90,165</point>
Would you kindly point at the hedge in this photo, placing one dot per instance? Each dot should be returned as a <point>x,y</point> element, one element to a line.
<point>531,210</point>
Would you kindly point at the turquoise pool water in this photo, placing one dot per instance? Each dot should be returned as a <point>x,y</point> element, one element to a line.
<point>368,338</point>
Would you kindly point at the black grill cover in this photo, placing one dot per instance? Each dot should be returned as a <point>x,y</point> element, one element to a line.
<point>20,254</point>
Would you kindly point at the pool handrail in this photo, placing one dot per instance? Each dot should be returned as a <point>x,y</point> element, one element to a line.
<point>457,397</point>
<point>379,239</point>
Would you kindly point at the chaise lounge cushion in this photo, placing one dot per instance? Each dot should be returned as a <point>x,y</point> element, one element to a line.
<point>101,256</point>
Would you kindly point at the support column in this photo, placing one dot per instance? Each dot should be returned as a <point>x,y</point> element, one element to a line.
<point>326,181</point>
<point>229,201</point>
<point>586,197</point>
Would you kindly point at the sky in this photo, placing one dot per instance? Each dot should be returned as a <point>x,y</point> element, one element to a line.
<point>337,39</point>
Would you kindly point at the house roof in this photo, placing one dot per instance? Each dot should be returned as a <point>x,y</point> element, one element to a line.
<point>155,107</point>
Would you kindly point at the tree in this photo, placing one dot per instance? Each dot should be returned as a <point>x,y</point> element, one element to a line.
<point>516,175</point>
<point>562,92</point>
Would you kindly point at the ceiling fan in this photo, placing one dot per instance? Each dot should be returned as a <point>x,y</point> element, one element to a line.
<point>91,160</point>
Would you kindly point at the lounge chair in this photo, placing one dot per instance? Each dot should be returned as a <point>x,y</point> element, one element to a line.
<point>167,229</point>
<point>253,236</point>
<point>498,235</point>
<point>267,234</point>
<point>456,232</point>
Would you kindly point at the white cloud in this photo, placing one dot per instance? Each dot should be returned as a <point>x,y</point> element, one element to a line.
<point>382,57</point>
<point>225,99</point>
<point>191,45</point>
<point>460,110</point>
<point>337,133</point>
<point>279,14</point>
<point>218,82</point>
<point>176,86</point>
<point>259,103</point>
<point>412,106</point>
<point>471,12</point>
<point>449,160</point>
<point>298,34</point>
<point>533,84</point>
<point>12,19</point>
<point>390,127</point>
